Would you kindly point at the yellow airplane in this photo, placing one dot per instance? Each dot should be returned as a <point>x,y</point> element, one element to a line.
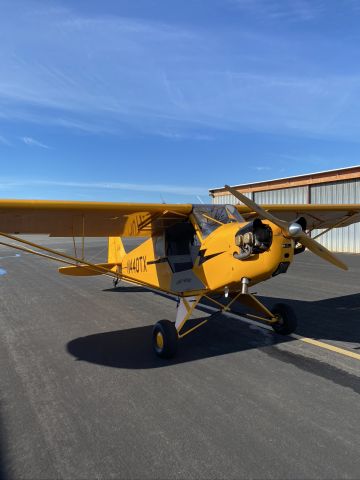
<point>195,252</point>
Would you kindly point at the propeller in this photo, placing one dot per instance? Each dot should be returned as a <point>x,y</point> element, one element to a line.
<point>290,229</point>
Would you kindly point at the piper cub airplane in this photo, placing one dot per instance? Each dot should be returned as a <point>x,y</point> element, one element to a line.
<point>195,252</point>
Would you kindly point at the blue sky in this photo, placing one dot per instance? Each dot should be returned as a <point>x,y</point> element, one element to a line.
<point>154,100</point>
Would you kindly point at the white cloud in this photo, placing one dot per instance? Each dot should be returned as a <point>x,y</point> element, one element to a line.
<point>184,136</point>
<point>133,187</point>
<point>296,10</point>
<point>33,143</point>
<point>262,168</point>
<point>117,75</point>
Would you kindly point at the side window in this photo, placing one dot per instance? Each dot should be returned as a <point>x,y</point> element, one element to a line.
<point>159,246</point>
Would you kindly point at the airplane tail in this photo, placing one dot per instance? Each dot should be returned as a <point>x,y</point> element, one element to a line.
<point>116,253</point>
<point>116,250</point>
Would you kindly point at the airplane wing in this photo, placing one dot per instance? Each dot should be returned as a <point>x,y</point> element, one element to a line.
<point>316,216</point>
<point>107,219</point>
<point>88,219</point>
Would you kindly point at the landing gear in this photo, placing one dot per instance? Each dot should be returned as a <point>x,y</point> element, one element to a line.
<point>287,321</point>
<point>166,334</point>
<point>165,339</point>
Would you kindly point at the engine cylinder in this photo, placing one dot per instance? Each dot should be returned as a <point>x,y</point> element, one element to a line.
<point>253,238</point>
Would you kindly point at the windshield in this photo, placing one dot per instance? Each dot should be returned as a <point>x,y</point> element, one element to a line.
<point>211,217</point>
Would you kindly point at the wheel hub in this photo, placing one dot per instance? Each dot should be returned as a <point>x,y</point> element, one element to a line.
<point>159,340</point>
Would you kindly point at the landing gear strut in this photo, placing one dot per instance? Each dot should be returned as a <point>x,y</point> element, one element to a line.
<point>166,334</point>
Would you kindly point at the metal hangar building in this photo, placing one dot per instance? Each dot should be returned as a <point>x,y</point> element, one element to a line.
<point>341,186</point>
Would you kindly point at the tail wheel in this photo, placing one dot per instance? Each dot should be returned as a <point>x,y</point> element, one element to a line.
<point>165,339</point>
<point>287,321</point>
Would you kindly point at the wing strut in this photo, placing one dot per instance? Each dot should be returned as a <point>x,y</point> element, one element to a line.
<point>94,267</point>
<point>54,252</point>
<point>97,268</point>
<point>338,224</point>
<point>75,261</point>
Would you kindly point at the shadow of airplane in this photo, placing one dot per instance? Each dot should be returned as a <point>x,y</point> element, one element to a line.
<point>336,319</point>
<point>131,348</point>
<point>136,288</point>
<point>332,319</point>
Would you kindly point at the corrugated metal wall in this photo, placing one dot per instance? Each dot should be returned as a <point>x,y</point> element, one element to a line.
<point>285,195</point>
<point>229,199</point>
<point>339,239</point>
<point>345,239</point>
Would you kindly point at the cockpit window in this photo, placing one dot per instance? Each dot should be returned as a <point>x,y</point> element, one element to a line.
<point>210,217</point>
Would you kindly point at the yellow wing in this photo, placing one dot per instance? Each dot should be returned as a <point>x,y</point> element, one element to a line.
<point>108,219</point>
<point>316,216</point>
<point>89,219</point>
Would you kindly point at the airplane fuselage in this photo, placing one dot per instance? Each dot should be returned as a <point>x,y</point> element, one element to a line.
<point>211,266</point>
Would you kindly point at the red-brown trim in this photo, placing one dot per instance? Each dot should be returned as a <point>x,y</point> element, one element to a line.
<point>303,180</point>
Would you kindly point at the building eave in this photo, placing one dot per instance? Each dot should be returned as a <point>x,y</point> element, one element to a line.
<point>296,180</point>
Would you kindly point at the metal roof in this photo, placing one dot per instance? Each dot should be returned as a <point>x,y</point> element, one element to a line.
<point>262,182</point>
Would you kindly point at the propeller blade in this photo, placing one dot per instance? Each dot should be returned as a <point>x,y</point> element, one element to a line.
<point>301,237</point>
<point>319,250</point>
<point>256,208</point>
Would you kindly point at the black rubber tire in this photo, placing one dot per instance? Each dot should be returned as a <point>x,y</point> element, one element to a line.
<point>170,339</point>
<point>287,319</point>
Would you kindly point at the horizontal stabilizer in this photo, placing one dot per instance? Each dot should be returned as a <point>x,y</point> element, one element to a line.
<point>86,270</point>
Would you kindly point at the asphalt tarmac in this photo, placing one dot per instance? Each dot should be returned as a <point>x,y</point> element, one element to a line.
<point>83,396</point>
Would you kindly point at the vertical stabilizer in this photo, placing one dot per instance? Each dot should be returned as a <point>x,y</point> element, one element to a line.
<point>116,251</point>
